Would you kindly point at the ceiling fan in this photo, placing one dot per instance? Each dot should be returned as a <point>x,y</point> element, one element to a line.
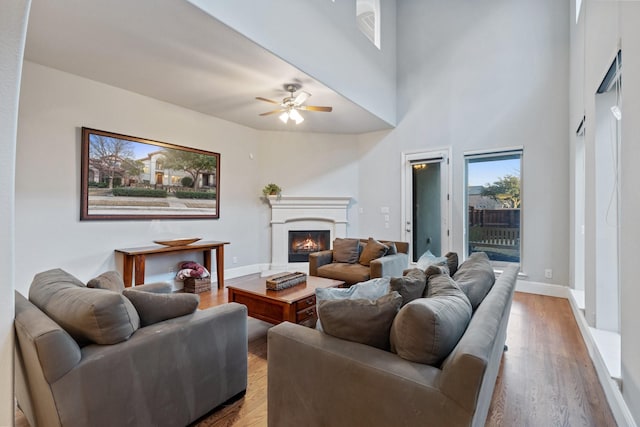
<point>291,104</point>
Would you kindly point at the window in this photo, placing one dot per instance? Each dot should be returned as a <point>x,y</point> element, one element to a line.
<point>493,201</point>
<point>578,9</point>
<point>368,19</point>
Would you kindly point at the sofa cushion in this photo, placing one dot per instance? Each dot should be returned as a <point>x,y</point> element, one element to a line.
<point>410,286</point>
<point>109,280</point>
<point>156,307</point>
<point>372,250</point>
<point>452,262</point>
<point>475,277</point>
<point>427,329</point>
<point>360,320</point>
<point>350,273</point>
<point>371,290</point>
<point>345,250</point>
<point>88,315</point>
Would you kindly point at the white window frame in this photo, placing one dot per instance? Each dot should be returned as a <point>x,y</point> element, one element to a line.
<point>475,154</point>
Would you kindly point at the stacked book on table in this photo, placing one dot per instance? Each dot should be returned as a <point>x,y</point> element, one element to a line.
<point>281,281</point>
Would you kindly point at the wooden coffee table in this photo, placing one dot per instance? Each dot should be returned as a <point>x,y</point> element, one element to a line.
<point>296,304</point>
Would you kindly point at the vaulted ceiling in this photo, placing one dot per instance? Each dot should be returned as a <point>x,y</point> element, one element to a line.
<point>172,51</point>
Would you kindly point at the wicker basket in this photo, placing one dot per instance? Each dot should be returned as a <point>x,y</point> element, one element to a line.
<point>195,286</point>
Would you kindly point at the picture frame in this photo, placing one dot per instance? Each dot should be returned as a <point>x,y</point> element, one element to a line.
<point>129,178</point>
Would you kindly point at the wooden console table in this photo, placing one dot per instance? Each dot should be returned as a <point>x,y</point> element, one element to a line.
<point>135,257</point>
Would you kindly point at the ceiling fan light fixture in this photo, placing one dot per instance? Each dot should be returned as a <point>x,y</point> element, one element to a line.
<point>295,115</point>
<point>291,104</point>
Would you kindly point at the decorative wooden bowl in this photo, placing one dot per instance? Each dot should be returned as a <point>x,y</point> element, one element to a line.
<point>177,242</point>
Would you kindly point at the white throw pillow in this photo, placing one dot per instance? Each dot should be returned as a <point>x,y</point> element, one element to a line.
<point>371,290</point>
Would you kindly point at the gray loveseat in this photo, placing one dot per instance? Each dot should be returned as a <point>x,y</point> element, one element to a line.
<point>319,380</point>
<point>169,373</point>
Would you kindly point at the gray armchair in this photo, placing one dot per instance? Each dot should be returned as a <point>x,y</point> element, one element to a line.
<point>321,264</point>
<point>169,373</point>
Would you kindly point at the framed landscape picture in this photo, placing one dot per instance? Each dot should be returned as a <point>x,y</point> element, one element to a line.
<point>125,177</point>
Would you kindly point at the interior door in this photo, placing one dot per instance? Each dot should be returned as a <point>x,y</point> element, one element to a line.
<point>426,212</point>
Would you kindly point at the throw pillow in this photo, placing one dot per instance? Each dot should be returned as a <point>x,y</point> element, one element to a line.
<point>452,262</point>
<point>156,287</point>
<point>371,290</point>
<point>153,308</point>
<point>433,270</point>
<point>88,315</point>
<point>393,249</point>
<point>427,329</point>
<point>345,250</point>
<point>475,277</point>
<point>372,250</point>
<point>427,259</point>
<point>361,320</point>
<point>110,280</point>
<point>410,286</point>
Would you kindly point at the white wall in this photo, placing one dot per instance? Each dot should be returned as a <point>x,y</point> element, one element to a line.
<point>53,107</point>
<point>629,228</point>
<point>312,165</point>
<point>13,26</point>
<point>320,38</point>
<point>482,76</point>
<point>604,27</point>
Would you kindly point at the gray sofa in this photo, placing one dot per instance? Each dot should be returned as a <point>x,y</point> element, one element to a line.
<point>322,264</point>
<point>319,380</point>
<point>169,373</point>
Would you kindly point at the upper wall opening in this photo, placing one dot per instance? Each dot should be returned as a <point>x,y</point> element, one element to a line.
<point>368,19</point>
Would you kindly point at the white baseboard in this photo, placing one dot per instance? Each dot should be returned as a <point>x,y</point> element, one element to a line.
<point>245,270</point>
<point>540,288</point>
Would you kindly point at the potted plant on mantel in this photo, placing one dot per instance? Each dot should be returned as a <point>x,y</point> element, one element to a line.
<point>271,190</point>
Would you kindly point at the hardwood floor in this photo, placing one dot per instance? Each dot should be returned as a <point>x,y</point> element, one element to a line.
<point>546,377</point>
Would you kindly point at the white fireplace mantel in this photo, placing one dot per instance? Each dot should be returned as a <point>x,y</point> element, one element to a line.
<point>290,213</point>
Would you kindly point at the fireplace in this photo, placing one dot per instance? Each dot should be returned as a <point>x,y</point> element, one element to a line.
<point>300,213</point>
<point>304,242</point>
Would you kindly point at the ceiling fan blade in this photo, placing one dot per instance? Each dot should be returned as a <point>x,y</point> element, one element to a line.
<point>302,96</point>
<point>273,112</point>
<point>315,108</point>
<point>267,100</point>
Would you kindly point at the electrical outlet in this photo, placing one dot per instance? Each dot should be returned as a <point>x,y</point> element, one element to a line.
<point>548,273</point>
<point>386,225</point>
<point>235,259</point>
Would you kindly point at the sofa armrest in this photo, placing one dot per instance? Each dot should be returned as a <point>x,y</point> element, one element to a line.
<point>318,259</point>
<point>44,345</point>
<point>390,265</point>
<point>168,373</point>
<point>315,379</point>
